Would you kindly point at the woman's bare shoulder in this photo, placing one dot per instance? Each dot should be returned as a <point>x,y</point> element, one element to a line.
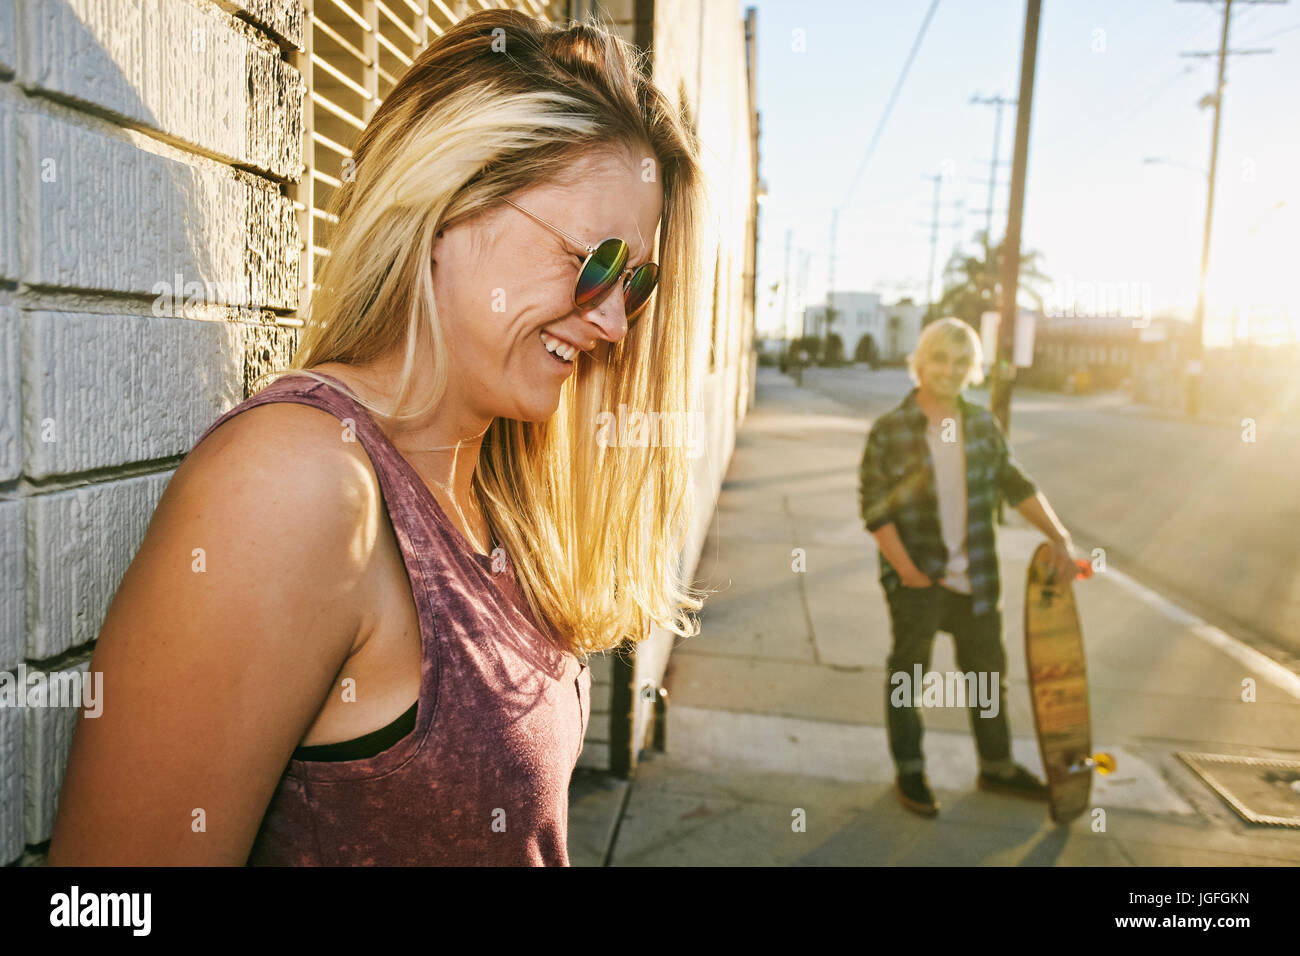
<point>229,627</point>
<point>289,466</point>
<point>305,447</point>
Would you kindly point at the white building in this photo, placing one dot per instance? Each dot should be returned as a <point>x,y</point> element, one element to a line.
<point>892,331</point>
<point>857,315</point>
<point>902,330</point>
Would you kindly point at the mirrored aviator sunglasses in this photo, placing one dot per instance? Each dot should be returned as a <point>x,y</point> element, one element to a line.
<point>604,267</point>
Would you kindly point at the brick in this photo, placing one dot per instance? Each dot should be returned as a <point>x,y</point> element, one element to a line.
<point>8,56</point>
<point>271,249</point>
<point>98,212</point>
<point>172,67</point>
<point>8,180</point>
<point>267,348</point>
<point>116,389</point>
<point>48,735</point>
<point>83,540</point>
<point>13,583</point>
<point>283,18</point>
<point>11,784</point>
<point>11,453</point>
<point>275,119</point>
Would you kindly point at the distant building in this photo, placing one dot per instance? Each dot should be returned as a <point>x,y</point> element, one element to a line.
<point>869,329</point>
<point>902,330</point>
<point>1113,351</point>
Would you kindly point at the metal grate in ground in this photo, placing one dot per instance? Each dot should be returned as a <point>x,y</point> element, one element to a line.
<point>1260,789</point>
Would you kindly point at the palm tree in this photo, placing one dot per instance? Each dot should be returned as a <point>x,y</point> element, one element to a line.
<point>973,283</point>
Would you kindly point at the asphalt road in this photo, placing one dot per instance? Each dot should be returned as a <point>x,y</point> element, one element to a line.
<point>1188,508</point>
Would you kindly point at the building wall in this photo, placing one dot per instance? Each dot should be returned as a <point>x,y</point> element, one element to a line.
<point>700,58</point>
<point>148,252</point>
<point>894,328</point>
<point>902,331</point>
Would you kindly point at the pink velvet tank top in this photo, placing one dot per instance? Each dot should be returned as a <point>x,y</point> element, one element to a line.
<point>483,778</point>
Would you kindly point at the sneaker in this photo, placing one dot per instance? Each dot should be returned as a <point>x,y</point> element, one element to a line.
<point>914,793</point>
<point>1021,784</point>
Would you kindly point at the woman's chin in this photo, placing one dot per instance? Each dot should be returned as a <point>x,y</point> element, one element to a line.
<point>537,408</point>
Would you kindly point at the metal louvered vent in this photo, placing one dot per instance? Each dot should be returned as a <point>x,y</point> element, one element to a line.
<point>354,52</point>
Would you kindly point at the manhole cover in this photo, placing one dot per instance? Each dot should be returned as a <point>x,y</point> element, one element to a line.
<point>1259,789</point>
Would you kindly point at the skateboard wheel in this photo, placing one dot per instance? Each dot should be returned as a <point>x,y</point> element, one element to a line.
<point>1104,763</point>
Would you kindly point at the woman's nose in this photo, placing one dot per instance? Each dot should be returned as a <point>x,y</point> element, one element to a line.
<point>613,321</point>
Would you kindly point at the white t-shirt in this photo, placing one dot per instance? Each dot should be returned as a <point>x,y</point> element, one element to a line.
<point>950,484</point>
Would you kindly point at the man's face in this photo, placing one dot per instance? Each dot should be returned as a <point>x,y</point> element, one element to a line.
<point>501,279</point>
<point>944,371</point>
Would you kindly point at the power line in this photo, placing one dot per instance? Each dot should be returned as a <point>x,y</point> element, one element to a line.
<point>871,147</point>
<point>893,98</point>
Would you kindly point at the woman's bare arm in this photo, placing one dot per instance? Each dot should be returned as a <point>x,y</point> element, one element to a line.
<point>216,661</point>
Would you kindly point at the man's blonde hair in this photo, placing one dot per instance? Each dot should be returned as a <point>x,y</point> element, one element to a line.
<point>953,333</point>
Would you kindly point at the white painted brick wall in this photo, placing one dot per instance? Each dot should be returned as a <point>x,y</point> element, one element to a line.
<point>127,57</point>
<point>11,784</point>
<point>88,207</point>
<point>11,462</point>
<point>97,212</point>
<point>13,582</point>
<point>116,389</point>
<point>8,181</point>
<point>47,737</point>
<point>83,540</point>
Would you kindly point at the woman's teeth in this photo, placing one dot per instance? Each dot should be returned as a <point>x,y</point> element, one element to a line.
<point>556,347</point>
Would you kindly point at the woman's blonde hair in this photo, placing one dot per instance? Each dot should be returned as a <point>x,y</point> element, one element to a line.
<point>955,334</point>
<point>499,103</point>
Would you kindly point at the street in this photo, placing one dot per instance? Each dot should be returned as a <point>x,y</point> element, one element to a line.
<point>1191,510</point>
<point>776,748</point>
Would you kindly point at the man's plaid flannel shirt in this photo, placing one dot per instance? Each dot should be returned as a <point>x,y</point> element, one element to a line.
<point>896,483</point>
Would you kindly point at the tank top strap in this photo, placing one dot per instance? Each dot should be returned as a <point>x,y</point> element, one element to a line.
<point>412,508</point>
<point>357,426</point>
<point>306,390</point>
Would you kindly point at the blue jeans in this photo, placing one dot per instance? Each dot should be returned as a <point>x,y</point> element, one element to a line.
<point>915,615</point>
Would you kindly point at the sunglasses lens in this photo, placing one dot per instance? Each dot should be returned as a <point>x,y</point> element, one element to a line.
<point>637,289</point>
<point>601,271</point>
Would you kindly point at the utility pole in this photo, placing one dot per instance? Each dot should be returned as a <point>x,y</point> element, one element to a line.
<point>934,225</point>
<point>1004,367</point>
<point>785,287</point>
<point>998,103</point>
<point>830,281</point>
<point>1194,366</point>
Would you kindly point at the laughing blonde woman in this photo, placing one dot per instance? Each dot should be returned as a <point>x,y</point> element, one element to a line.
<point>357,630</point>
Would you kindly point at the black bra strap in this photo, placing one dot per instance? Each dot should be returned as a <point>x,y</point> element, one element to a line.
<point>359,748</point>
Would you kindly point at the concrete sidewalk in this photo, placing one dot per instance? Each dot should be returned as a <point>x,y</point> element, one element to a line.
<point>776,749</point>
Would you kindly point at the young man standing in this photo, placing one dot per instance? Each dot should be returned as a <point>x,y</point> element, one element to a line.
<point>928,485</point>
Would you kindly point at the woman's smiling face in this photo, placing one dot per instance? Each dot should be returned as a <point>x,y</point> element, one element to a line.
<point>501,278</point>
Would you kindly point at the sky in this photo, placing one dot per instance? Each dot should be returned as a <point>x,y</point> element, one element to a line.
<point>1111,90</point>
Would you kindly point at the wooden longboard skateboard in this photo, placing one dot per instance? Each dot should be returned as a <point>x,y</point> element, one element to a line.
<point>1058,687</point>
